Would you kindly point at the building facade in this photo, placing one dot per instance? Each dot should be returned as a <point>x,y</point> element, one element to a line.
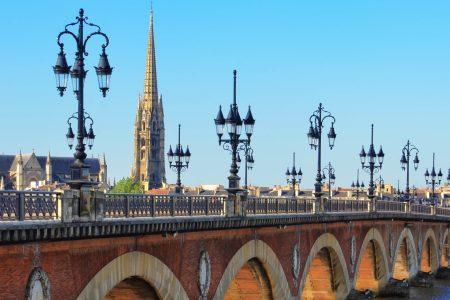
<point>148,162</point>
<point>29,171</point>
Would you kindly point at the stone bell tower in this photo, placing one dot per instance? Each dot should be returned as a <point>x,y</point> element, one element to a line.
<point>148,163</point>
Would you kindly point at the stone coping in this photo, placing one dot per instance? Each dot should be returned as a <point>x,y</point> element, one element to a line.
<point>27,231</point>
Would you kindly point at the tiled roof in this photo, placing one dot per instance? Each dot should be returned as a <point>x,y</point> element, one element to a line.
<point>6,162</point>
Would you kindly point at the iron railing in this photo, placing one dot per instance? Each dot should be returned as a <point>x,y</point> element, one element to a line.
<point>141,205</point>
<point>21,206</point>
<point>391,206</point>
<point>344,206</point>
<point>421,209</point>
<point>40,205</point>
<point>278,205</point>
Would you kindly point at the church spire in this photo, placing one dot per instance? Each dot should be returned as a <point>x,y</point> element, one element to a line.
<point>150,82</point>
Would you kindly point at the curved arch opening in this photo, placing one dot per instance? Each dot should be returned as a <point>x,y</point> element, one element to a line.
<point>325,278</point>
<point>134,265</point>
<point>401,268</point>
<point>428,261</point>
<point>372,272</point>
<point>445,255</point>
<point>250,282</point>
<point>258,257</point>
<point>132,287</point>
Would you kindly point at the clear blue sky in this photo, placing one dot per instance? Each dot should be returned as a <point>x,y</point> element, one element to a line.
<point>386,62</point>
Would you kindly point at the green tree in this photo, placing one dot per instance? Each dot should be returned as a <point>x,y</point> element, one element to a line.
<point>127,185</point>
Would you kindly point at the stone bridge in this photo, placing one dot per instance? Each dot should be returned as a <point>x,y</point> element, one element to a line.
<point>282,248</point>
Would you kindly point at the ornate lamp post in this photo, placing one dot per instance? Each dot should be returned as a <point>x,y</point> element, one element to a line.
<point>407,151</point>
<point>316,121</point>
<point>432,179</point>
<point>380,183</point>
<point>331,177</point>
<point>293,177</point>
<point>79,170</point>
<point>358,187</point>
<point>372,167</point>
<point>179,160</point>
<point>249,163</point>
<point>234,143</point>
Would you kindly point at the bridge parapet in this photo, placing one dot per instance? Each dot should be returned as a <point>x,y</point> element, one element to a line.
<point>21,206</point>
<point>69,206</point>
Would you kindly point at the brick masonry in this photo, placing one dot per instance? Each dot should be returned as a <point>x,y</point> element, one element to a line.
<point>71,264</point>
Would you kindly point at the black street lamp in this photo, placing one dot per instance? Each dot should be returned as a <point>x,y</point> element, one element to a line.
<point>407,151</point>
<point>331,177</point>
<point>371,167</point>
<point>358,187</point>
<point>380,183</point>
<point>293,177</point>
<point>179,160</point>
<point>234,143</point>
<point>432,179</point>
<point>79,170</point>
<point>316,121</point>
<point>249,163</point>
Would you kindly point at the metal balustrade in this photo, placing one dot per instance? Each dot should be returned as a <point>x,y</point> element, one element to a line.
<point>40,205</point>
<point>141,205</point>
<point>21,206</point>
<point>443,211</point>
<point>278,205</point>
<point>391,206</point>
<point>344,206</point>
<point>421,209</point>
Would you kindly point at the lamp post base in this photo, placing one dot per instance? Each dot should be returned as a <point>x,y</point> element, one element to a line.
<point>319,200</point>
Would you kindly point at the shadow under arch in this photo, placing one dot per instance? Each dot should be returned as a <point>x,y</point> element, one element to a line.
<point>405,264</point>
<point>429,256</point>
<point>445,254</point>
<point>340,281</point>
<point>134,264</point>
<point>378,274</point>
<point>256,249</point>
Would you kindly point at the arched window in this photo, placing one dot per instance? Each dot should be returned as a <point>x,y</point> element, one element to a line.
<point>142,154</point>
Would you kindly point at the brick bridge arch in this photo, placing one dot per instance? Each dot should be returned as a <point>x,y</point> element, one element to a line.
<point>429,251</point>
<point>261,251</point>
<point>339,280</point>
<point>444,257</point>
<point>130,264</point>
<point>405,262</point>
<point>372,245</point>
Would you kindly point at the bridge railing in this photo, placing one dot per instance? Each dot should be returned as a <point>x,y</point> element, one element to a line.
<point>22,205</point>
<point>421,209</point>
<point>279,205</point>
<point>443,211</point>
<point>334,205</point>
<point>141,205</point>
<point>41,205</point>
<point>391,206</point>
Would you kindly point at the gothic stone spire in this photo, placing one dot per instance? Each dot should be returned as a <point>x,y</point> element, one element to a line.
<point>150,81</point>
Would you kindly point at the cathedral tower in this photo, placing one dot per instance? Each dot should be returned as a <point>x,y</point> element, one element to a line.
<point>148,163</point>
